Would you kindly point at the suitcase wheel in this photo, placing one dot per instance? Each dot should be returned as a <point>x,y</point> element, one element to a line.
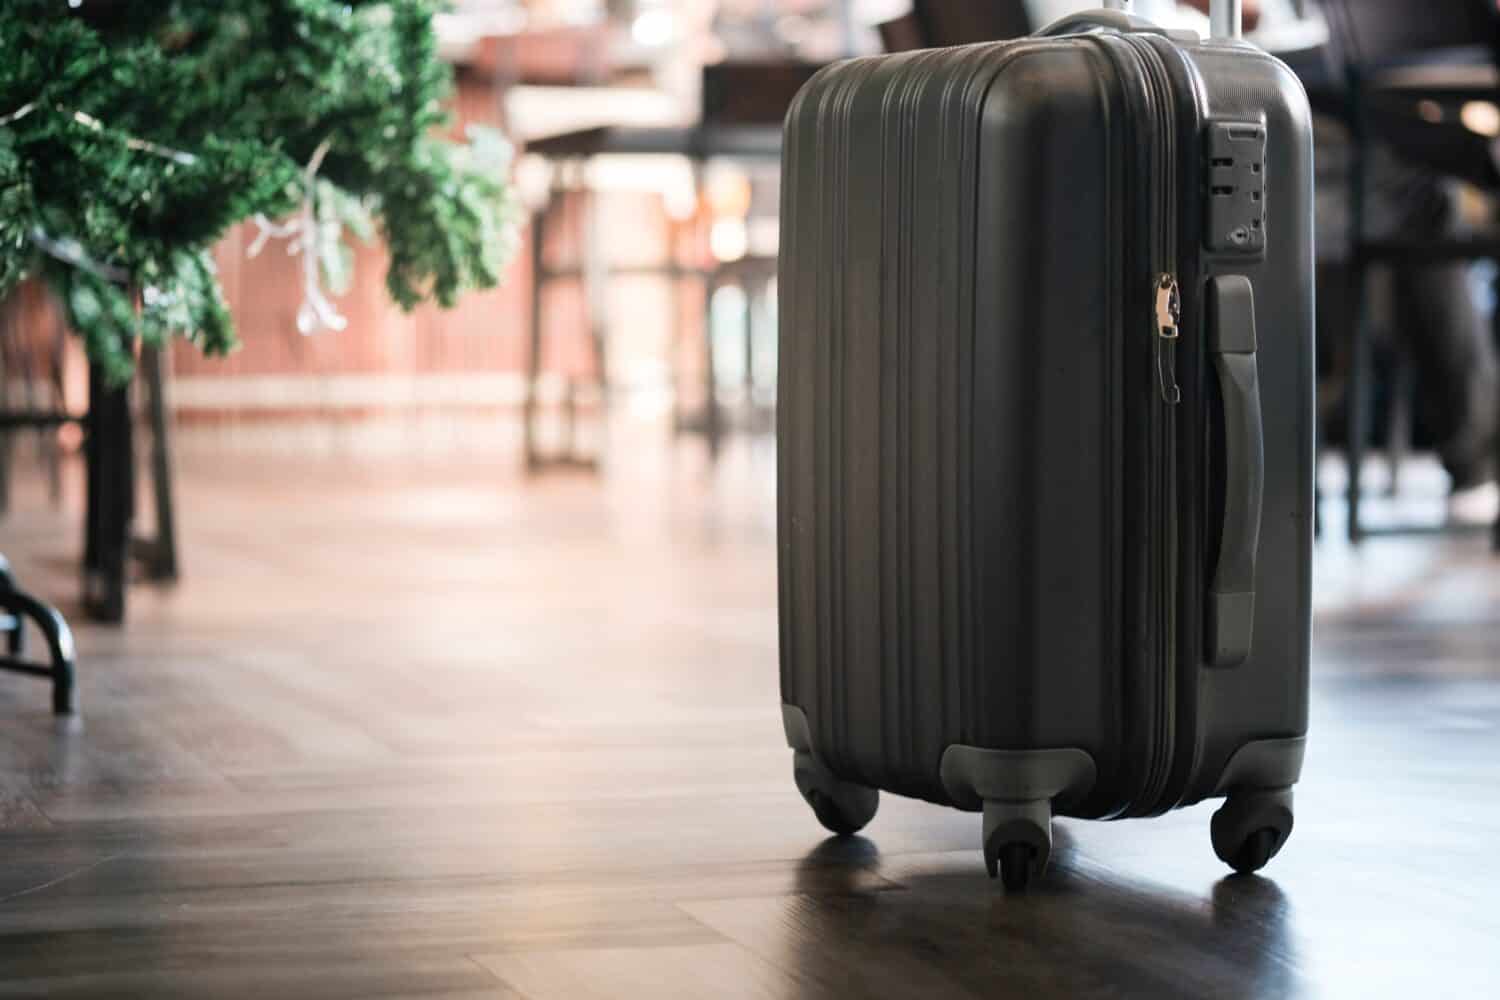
<point>1017,841</point>
<point>841,806</point>
<point>1251,827</point>
<point>1015,866</point>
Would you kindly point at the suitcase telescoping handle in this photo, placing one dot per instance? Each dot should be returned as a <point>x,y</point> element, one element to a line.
<point>1231,595</point>
<point>1114,19</point>
<point>1224,19</point>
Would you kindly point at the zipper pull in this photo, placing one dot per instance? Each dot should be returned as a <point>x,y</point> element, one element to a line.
<point>1168,318</point>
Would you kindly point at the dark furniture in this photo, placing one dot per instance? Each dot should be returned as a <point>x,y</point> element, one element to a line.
<point>110,461</point>
<point>933,23</point>
<point>1408,68</point>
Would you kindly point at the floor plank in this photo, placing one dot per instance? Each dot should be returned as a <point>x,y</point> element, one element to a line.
<point>670,973</point>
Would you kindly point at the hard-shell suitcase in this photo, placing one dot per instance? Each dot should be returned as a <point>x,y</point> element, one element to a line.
<point>1046,433</point>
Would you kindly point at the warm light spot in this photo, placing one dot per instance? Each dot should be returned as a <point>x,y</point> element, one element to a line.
<point>728,239</point>
<point>653,28</point>
<point>729,194</point>
<point>680,199</point>
<point>1481,117</point>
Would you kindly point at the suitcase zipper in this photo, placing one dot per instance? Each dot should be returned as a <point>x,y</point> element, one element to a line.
<point>1168,316</point>
<point>1164,332</point>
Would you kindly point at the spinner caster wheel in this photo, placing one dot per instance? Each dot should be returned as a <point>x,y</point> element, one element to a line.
<point>1017,841</point>
<point>843,807</point>
<point>1251,828</point>
<point>1015,866</point>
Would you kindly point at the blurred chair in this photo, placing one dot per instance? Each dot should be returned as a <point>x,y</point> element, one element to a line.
<point>31,384</point>
<point>560,55</point>
<point>752,98</point>
<point>1410,67</point>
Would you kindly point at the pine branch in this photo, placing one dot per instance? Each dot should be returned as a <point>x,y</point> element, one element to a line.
<point>246,92</point>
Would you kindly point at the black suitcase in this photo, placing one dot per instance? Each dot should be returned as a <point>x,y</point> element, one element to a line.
<point>1046,433</point>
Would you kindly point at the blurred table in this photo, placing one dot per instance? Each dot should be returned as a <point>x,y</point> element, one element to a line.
<point>567,156</point>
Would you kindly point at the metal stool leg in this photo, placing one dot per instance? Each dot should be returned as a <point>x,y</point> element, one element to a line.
<point>678,328</point>
<point>1358,326</point>
<point>19,607</point>
<point>748,285</point>
<point>534,355</point>
<point>595,292</point>
<point>712,419</point>
<point>1398,423</point>
<point>1354,405</point>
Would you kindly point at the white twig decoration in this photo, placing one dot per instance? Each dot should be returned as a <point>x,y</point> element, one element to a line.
<point>90,122</point>
<point>304,236</point>
<point>19,113</point>
<point>70,251</point>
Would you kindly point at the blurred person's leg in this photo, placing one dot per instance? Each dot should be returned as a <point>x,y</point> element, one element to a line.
<point>1453,352</point>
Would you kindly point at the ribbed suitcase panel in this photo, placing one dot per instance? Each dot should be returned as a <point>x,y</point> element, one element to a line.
<point>877,526</point>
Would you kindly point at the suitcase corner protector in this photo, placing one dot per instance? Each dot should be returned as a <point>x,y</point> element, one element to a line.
<point>1264,764</point>
<point>794,723</point>
<point>971,775</point>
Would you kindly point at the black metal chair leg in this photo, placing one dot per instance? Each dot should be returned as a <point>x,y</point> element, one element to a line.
<point>1496,539</point>
<point>60,648</point>
<point>20,606</point>
<point>1354,399</point>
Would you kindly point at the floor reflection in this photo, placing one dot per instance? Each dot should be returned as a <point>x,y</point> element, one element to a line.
<point>939,930</point>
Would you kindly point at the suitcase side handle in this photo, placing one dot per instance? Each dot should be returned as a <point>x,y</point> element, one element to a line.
<point>1231,596</point>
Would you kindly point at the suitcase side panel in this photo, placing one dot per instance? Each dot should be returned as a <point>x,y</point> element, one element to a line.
<point>1052,366</point>
<point>949,550</point>
<point>1264,700</point>
<point>861,400</point>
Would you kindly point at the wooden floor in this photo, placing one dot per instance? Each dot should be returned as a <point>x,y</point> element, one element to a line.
<point>445,733</point>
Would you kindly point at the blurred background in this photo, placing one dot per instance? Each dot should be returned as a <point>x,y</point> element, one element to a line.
<point>501,577</point>
<point>645,289</point>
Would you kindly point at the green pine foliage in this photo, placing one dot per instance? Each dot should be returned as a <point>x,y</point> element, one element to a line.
<point>134,133</point>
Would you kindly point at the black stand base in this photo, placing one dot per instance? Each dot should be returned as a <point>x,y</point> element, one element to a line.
<point>16,607</point>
